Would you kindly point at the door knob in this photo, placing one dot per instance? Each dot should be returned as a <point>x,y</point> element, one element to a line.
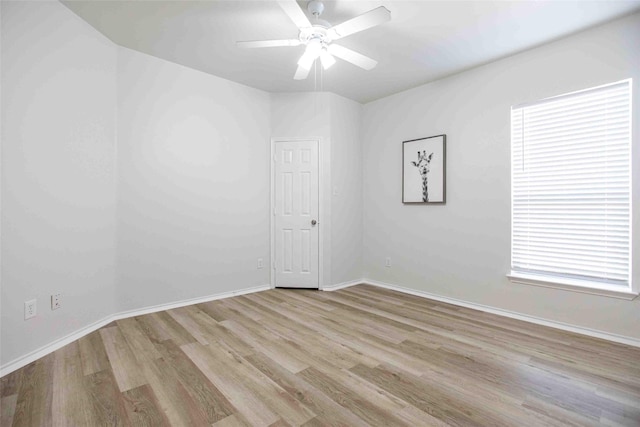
<point>314,222</point>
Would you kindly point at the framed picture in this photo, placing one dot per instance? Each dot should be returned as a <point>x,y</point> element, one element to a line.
<point>424,170</point>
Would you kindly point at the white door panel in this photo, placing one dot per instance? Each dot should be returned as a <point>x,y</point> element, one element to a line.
<point>296,207</point>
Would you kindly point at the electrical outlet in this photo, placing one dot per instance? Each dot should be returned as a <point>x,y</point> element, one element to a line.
<point>260,263</point>
<point>30,309</point>
<point>387,262</point>
<point>56,300</point>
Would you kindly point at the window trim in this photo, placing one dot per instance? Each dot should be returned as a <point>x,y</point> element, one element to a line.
<point>629,292</point>
<point>582,286</point>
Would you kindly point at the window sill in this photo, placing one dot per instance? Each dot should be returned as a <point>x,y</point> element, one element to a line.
<point>575,286</point>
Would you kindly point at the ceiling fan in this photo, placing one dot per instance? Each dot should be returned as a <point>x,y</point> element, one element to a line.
<point>319,36</point>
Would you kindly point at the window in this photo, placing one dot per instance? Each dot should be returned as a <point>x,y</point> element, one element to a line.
<point>571,191</point>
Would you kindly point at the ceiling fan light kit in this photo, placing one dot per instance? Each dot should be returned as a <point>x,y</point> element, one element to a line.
<point>326,59</point>
<point>318,37</point>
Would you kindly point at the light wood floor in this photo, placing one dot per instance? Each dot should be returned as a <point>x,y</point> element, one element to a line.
<point>355,357</point>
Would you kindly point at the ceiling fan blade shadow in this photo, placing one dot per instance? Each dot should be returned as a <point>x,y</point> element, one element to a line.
<point>301,73</point>
<point>294,12</point>
<point>374,17</point>
<point>352,56</point>
<point>268,43</point>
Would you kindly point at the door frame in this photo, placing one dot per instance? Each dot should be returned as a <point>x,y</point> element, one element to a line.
<point>322,155</point>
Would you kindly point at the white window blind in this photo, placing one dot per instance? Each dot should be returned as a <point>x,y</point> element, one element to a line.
<point>570,183</point>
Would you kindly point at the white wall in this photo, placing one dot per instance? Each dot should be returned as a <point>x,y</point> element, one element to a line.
<point>301,115</point>
<point>336,122</point>
<point>58,178</point>
<point>193,187</point>
<point>346,190</point>
<point>461,250</point>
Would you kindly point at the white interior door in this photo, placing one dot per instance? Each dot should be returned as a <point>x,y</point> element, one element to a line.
<point>296,214</point>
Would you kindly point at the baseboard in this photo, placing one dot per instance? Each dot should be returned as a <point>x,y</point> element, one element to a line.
<point>635,342</point>
<point>61,342</point>
<point>183,303</point>
<point>53,346</point>
<point>342,285</point>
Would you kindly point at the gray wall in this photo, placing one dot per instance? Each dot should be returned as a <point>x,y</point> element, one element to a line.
<point>193,183</point>
<point>346,190</point>
<point>58,174</point>
<point>462,249</point>
<point>336,121</point>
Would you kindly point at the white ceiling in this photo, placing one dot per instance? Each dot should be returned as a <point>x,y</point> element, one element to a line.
<point>424,41</point>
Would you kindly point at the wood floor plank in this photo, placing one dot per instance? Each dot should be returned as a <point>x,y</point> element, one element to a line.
<point>307,299</point>
<point>341,333</point>
<point>216,310</point>
<point>172,329</point>
<point>356,403</point>
<point>107,402</point>
<point>35,391</point>
<point>173,397</point>
<point>415,417</point>
<point>432,401</point>
<point>241,309</point>
<point>268,391</point>
<point>268,344</point>
<point>92,354</point>
<point>153,328</point>
<point>359,304</point>
<point>355,357</point>
<point>143,408</point>
<point>70,400</point>
<point>325,349</point>
<point>272,295</point>
<point>213,403</point>
<point>7,409</point>
<point>10,383</point>
<point>125,366</point>
<point>214,332</point>
<point>234,420</point>
<point>384,332</point>
<point>556,415</point>
<point>231,385</point>
<point>331,413</point>
<point>139,342</point>
<point>182,316</point>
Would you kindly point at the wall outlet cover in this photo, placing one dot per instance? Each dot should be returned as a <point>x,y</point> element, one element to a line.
<point>30,309</point>
<point>56,301</point>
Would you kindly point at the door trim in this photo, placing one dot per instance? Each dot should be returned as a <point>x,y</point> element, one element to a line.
<point>321,209</point>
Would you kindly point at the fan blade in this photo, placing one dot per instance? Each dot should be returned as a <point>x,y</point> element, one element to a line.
<point>301,73</point>
<point>352,56</point>
<point>296,14</point>
<point>369,19</point>
<point>268,43</point>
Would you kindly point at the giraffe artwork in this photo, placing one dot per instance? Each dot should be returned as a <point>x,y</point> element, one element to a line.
<point>423,176</point>
<point>423,167</point>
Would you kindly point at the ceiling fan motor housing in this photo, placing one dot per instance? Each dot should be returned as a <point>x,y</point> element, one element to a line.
<point>314,33</point>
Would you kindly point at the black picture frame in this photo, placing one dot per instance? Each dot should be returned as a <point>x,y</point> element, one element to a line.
<point>424,170</point>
